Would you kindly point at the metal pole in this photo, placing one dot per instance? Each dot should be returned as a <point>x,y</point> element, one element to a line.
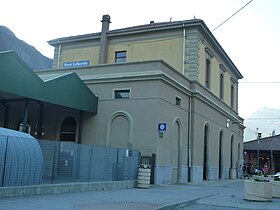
<point>258,154</point>
<point>25,117</point>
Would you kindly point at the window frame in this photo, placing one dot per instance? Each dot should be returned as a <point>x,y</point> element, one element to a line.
<point>208,67</point>
<point>122,90</point>
<point>178,99</point>
<point>233,96</point>
<point>120,59</point>
<point>222,82</point>
<point>207,73</point>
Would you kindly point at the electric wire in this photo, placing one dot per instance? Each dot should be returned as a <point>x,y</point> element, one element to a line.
<point>274,82</point>
<point>263,118</point>
<point>232,15</point>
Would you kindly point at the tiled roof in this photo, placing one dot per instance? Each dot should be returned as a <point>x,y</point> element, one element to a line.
<point>268,143</point>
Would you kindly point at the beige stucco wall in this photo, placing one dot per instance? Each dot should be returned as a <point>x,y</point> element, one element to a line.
<point>78,52</point>
<point>215,74</point>
<point>206,115</point>
<point>154,87</point>
<point>167,46</point>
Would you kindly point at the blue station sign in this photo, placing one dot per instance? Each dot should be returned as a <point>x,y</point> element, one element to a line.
<point>76,64</point>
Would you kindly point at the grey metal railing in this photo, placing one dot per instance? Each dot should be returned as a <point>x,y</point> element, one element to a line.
<point>71,162</point>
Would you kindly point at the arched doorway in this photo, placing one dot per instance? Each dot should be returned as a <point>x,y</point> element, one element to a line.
<point>67,153</point>
<point>231,152</point>
<point>176,151</point>
<point>205,152</point>
<point>68,129</point>
<point>220,155</point>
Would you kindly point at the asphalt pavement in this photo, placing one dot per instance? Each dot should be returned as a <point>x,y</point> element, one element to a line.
<point>213,195</point>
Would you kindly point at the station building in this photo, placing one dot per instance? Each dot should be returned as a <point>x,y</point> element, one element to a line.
<point>167,89</point>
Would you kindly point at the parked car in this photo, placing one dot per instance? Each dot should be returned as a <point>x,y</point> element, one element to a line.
<point>277,175</point>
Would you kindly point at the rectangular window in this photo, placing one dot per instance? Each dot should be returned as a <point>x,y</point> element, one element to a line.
<point>232,96</point>
<point>122,94</point>
<point>222,81</point>
<point>120,57</point>
<point>207,73</point>
<point>178,101</point>
<point>222,86</point>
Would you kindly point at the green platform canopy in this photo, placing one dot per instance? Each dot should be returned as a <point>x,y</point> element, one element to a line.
<point>17,81</point>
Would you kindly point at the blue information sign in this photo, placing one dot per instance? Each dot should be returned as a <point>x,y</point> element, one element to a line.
<point>75,64</point>
<point>161,127</point>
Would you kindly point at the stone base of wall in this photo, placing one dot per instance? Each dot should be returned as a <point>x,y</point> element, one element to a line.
<point>64,188</point>
<point>163,174</point>
<point>196,174</point>
<point>184,175</point>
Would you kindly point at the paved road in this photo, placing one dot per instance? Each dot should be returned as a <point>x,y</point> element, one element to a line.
<point>209,207</point>
<point>218,195</point>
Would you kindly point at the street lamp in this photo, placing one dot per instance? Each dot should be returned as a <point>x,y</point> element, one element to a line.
<point>258,154</point>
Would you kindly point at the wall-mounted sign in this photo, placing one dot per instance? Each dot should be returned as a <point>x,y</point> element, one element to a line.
<point>76,64</point>
<point>161,127</point>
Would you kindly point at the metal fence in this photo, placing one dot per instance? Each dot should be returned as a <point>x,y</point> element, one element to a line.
<point>71,162</point>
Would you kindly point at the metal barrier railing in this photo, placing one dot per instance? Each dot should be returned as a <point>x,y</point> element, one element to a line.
<point>71,162</point>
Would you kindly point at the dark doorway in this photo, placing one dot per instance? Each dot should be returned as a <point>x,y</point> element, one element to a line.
<point>66,154</point>
<point>220,154</point>
<point>68,129</point>
<point>205,153</point>
<point>231,152</point>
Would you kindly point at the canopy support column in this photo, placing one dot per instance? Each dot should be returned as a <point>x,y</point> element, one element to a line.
<point>5,119</point>
<point>41,120</point>
<point>25,116</point>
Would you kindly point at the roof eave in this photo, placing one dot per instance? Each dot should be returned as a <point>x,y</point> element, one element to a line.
<point>206,31</point>
<point>70,39</point>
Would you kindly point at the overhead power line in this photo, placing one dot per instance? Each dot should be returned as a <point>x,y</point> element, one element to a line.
<point>273,82</point>
<point>232,15</point>
<point>263,118</point>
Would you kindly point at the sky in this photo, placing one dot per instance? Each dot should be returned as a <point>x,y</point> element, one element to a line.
<point>250,38</point>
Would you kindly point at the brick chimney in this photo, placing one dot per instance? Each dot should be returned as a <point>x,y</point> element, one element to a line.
<point>103,50</point>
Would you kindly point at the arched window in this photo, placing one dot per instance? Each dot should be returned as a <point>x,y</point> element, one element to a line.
<point>119,130</point>
<point>68,129</point>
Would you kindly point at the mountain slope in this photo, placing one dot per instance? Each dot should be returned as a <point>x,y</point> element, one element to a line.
<point>265,120</point>
<point>31,56</point>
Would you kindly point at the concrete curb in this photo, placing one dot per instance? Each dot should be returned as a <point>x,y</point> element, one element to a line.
<point>64,188</point>
<point>183,204</point>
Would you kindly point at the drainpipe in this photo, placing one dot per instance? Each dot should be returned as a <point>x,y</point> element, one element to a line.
<point>103,48</point>
<point>189,140</point>
<point>184,49</point>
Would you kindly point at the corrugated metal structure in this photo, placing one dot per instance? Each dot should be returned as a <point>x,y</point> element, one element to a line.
<point>71,162</point>
<point>21,159</point>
